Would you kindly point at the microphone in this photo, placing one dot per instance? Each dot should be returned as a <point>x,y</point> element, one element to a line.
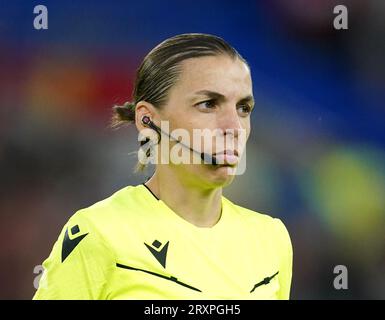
<point>207,158</point>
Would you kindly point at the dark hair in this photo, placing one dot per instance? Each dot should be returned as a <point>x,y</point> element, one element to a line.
<point>160,69</point>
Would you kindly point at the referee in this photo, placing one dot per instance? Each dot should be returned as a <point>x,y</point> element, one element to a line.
<point>176,236</point>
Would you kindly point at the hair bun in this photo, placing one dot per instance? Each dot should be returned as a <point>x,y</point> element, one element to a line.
<point>124,113</point>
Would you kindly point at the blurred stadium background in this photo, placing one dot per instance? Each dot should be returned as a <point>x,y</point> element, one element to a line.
<point>316,157</point>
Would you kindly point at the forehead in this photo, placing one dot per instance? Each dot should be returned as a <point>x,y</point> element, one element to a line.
<point>223,74</point>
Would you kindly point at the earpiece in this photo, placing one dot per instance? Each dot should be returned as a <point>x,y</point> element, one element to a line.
<point>146,120</point>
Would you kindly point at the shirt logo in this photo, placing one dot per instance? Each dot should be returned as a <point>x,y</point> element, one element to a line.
<point>158,251</point>
<point>68,244</point>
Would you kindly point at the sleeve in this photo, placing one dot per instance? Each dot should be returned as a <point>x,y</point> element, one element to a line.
<point>286,261</point>
<point>79,265</point>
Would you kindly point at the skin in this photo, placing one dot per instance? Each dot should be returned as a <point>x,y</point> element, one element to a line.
<point>194,191</point>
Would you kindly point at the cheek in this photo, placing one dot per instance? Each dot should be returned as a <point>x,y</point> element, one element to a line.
<point>244,136</point>
<point>248,133</point>
<point>246,126</point>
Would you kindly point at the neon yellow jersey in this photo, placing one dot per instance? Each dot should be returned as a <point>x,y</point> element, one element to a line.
<point>133,246</point>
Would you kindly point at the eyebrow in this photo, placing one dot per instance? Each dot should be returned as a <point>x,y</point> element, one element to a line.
<point>218,96</point>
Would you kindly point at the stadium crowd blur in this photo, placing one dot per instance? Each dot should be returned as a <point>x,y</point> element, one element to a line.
<point>315,158</point>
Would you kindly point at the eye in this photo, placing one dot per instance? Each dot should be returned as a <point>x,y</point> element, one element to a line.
<point>206,106</point>
<point>244,110</point>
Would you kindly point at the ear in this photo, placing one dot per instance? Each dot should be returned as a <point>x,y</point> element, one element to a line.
<point>142,109</point>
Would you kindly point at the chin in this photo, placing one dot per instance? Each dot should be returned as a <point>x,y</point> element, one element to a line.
<point>222,176</point>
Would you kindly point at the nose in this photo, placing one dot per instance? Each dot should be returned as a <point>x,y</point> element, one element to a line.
<point>230,122</point>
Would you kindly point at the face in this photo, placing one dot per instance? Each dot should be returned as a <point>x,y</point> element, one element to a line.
<point>214,93</point>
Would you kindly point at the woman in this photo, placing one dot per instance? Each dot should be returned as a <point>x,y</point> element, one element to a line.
<point>175,236</point>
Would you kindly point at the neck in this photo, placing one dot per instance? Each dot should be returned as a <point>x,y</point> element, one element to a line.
<point>201,207</point>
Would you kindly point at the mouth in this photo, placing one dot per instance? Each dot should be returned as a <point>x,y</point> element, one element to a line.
<point>227,157</point>
<point>228,152</point>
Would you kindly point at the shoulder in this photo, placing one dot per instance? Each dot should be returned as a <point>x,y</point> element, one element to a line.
<point>126,198</point>
<point>261,221</point>
<point>106,214</point>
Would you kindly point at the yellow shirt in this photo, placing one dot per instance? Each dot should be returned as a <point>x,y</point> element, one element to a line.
<point>133,246</point>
